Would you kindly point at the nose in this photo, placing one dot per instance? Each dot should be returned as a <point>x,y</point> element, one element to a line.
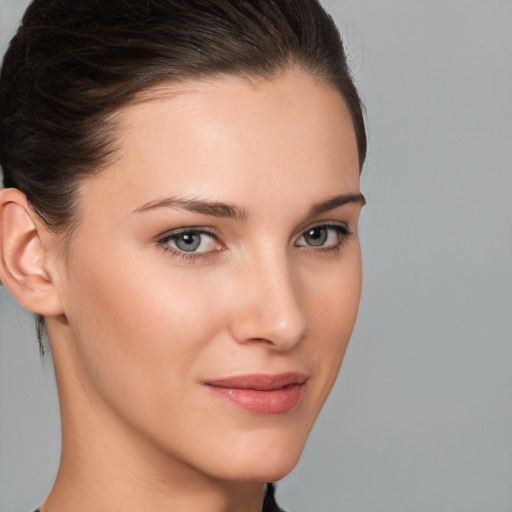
<point>269,305</point>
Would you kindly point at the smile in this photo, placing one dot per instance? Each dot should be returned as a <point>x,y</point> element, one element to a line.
<point>261,394</point>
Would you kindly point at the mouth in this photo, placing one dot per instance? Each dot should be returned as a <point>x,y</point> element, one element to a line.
<point>260,393</point>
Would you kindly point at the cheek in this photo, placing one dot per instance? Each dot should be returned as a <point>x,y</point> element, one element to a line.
<point>145,334</point>
<point>333,306</point>
<point>139,333</point>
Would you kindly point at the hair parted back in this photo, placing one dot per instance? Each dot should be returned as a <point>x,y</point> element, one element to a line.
<point>72,65</point>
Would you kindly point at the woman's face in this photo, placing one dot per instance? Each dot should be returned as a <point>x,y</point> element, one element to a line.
<point>213,281</point>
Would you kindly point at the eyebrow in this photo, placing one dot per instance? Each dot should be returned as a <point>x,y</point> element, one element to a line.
<point>335,202</point>
<point>206,207</point>
<point>233,211</point>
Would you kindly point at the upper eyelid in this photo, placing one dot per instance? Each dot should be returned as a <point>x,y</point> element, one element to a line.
<point>192,229</point>
<point>326,224</point>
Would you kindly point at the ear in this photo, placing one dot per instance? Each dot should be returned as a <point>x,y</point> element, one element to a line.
<point>23,265</point>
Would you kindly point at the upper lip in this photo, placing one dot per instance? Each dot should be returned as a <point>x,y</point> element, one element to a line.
<point>259,381</point>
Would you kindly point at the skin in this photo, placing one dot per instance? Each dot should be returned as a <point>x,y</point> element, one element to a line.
<point>136,327</point>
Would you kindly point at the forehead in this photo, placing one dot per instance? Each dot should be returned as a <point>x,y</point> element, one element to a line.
<point>229,136</point>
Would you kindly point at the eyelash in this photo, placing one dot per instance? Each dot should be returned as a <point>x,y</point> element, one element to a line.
<point>343,235</point>
<point>183,255</point>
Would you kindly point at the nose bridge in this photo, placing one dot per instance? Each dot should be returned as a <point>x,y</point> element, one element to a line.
<point>271,302</point>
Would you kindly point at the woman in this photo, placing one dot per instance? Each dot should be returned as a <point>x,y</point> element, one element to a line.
<point>180,211</point>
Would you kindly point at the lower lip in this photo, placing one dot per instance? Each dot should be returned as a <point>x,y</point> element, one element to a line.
<point>276,401</point>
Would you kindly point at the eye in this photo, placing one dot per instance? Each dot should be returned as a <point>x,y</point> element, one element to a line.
<point>324,236</point>
<point>190,241</point>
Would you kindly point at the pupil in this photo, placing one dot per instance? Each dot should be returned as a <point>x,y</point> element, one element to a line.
<point>316,236</point>
<point>188,242</point>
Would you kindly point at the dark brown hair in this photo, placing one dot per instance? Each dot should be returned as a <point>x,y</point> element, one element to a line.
<point>72,65</point>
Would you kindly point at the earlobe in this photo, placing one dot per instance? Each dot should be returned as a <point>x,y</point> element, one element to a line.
<point>23,267</point>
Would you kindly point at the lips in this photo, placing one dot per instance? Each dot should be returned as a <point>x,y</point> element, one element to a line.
<point>260,393</point>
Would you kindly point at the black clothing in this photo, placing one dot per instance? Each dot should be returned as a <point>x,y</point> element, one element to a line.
<point>269,503</point>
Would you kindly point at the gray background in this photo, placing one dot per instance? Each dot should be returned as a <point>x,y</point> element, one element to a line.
<point>421,417</point>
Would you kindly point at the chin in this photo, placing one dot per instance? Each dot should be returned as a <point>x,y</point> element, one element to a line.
<point>276,470</point>
<point>262,470</point>
<point>263,458</point>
